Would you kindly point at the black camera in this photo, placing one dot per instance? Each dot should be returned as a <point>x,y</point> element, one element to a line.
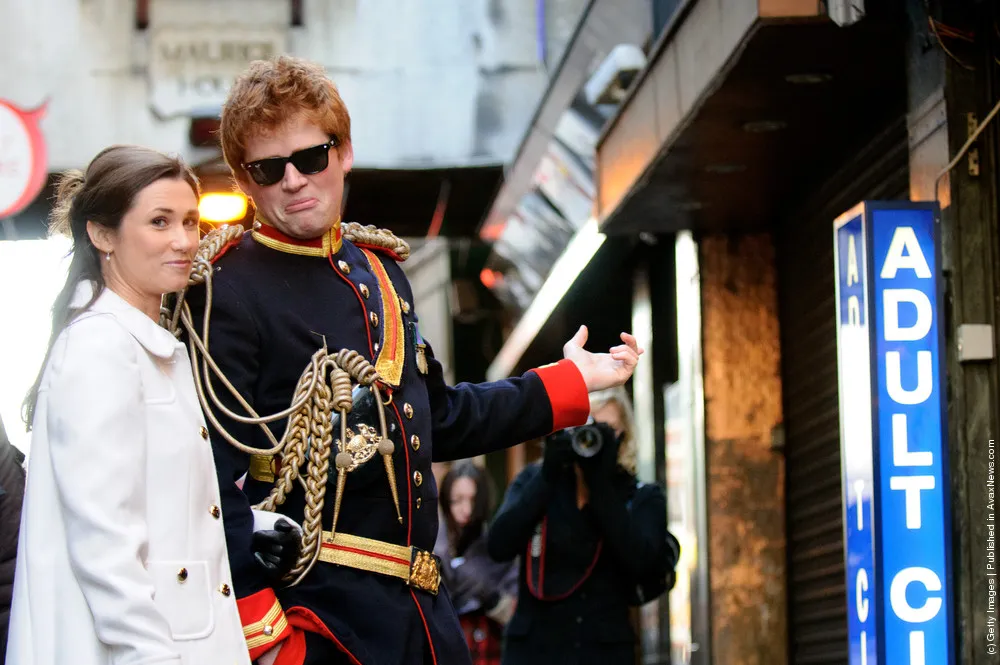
<point>585,440</point>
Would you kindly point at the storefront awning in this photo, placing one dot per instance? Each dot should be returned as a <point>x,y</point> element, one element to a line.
<point>742,103</point>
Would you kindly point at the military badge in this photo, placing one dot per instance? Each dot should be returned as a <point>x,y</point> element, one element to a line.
<point>421,349</point>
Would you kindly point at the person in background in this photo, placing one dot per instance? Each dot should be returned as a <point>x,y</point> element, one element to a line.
<point>482,590</point>
<point>11,494</point>
<point>122,553</point>
<point>589,536</point>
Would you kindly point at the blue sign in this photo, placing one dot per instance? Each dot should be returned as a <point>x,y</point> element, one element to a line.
<point>892,435</point>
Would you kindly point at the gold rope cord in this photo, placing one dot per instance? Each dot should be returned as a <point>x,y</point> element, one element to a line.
<point>372,235</point>
<point>325,385</point>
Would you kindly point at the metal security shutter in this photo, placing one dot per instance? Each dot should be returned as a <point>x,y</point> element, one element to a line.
<point>817,611</point>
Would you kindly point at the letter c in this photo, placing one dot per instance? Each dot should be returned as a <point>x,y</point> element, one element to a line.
<point>861,589</point>
<point>897,595</point>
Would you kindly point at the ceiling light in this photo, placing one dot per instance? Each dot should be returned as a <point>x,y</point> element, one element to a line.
<point>764,126</point>
<point>808,78</point>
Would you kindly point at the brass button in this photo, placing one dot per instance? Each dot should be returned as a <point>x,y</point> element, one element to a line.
<point>418,478</point>
<point>214,511</point>
<point>364,290</point>
<point>225,590</point>
<point>182,574</point>
<point>373,317</point>
<point>203,431</point>
<point>415,442</point>
<point>344,268</point>
<point>408,410</point>
<point>269,630</point>
<point>405,305</point>
<point>418,503</point>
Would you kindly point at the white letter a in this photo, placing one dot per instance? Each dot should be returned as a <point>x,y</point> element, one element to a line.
<point>905,239</point>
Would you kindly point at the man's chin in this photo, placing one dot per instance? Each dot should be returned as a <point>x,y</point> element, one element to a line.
<point>303,228</point>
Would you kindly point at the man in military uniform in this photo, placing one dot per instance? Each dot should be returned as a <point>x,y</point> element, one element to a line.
<point>295,284</point>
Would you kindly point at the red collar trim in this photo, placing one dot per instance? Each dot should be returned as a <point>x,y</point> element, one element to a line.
<point>326,245</point>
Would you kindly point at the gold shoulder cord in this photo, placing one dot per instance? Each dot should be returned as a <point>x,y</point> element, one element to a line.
<point>376,237</point>
<point>325,384</point>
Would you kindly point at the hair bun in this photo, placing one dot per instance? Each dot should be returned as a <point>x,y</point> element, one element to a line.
<point>69,185</point>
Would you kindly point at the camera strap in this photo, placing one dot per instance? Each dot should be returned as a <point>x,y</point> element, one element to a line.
<point>536,555</point>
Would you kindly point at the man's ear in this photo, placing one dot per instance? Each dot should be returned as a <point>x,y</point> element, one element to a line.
<point>242,180</point>
<point>101,237</point>
<point>346,155</point>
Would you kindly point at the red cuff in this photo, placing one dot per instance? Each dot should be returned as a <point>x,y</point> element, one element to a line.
<point>264,622</point>
<point>567,393</point>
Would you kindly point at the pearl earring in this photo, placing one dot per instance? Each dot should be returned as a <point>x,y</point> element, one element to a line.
<point>108,256</point>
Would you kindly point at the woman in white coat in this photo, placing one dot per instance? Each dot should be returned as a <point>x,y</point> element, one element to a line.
<point>122,554</point>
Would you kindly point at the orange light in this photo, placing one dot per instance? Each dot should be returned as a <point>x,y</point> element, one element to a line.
<point>222,207</point>
<point>492,232</point>
<point>489,278</point>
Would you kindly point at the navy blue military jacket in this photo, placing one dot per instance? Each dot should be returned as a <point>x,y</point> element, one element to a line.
<point>275,302</point>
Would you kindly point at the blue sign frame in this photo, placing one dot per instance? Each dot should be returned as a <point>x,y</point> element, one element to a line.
<point>893,436</point>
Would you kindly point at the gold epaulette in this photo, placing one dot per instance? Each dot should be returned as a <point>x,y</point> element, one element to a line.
<point>213,245</point>
<point>376,238</point>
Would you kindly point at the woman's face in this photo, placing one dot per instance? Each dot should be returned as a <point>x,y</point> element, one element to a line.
<point>152,251</point>
<point>609,414</point>
<point>462,501</point>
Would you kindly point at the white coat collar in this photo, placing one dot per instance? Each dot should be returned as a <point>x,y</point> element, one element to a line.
<point>153,337</point>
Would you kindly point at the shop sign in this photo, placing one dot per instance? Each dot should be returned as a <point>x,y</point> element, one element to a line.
<point>895,480</point>
<point>23,157</point>
<point>192,67</point>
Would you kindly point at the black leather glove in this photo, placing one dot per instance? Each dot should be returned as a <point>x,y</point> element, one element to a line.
<point>557,455</point>
<point>276,550</point>
<point>602,465</point>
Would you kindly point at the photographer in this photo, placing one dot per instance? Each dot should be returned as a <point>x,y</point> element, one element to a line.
<point>590,537</point>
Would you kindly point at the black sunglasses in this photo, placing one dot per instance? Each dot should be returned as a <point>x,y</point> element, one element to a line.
<point>307,161</point>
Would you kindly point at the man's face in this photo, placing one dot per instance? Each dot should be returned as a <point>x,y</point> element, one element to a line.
<point>300,206</point>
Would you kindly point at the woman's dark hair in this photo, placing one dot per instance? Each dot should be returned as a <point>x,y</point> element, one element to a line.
<point>102,195</point>
<point>459,538</point>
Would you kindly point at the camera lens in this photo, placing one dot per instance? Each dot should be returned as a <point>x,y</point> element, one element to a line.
<point>586,441</point>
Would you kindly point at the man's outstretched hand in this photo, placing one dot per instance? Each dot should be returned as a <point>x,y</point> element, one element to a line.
<point>603,370</point>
